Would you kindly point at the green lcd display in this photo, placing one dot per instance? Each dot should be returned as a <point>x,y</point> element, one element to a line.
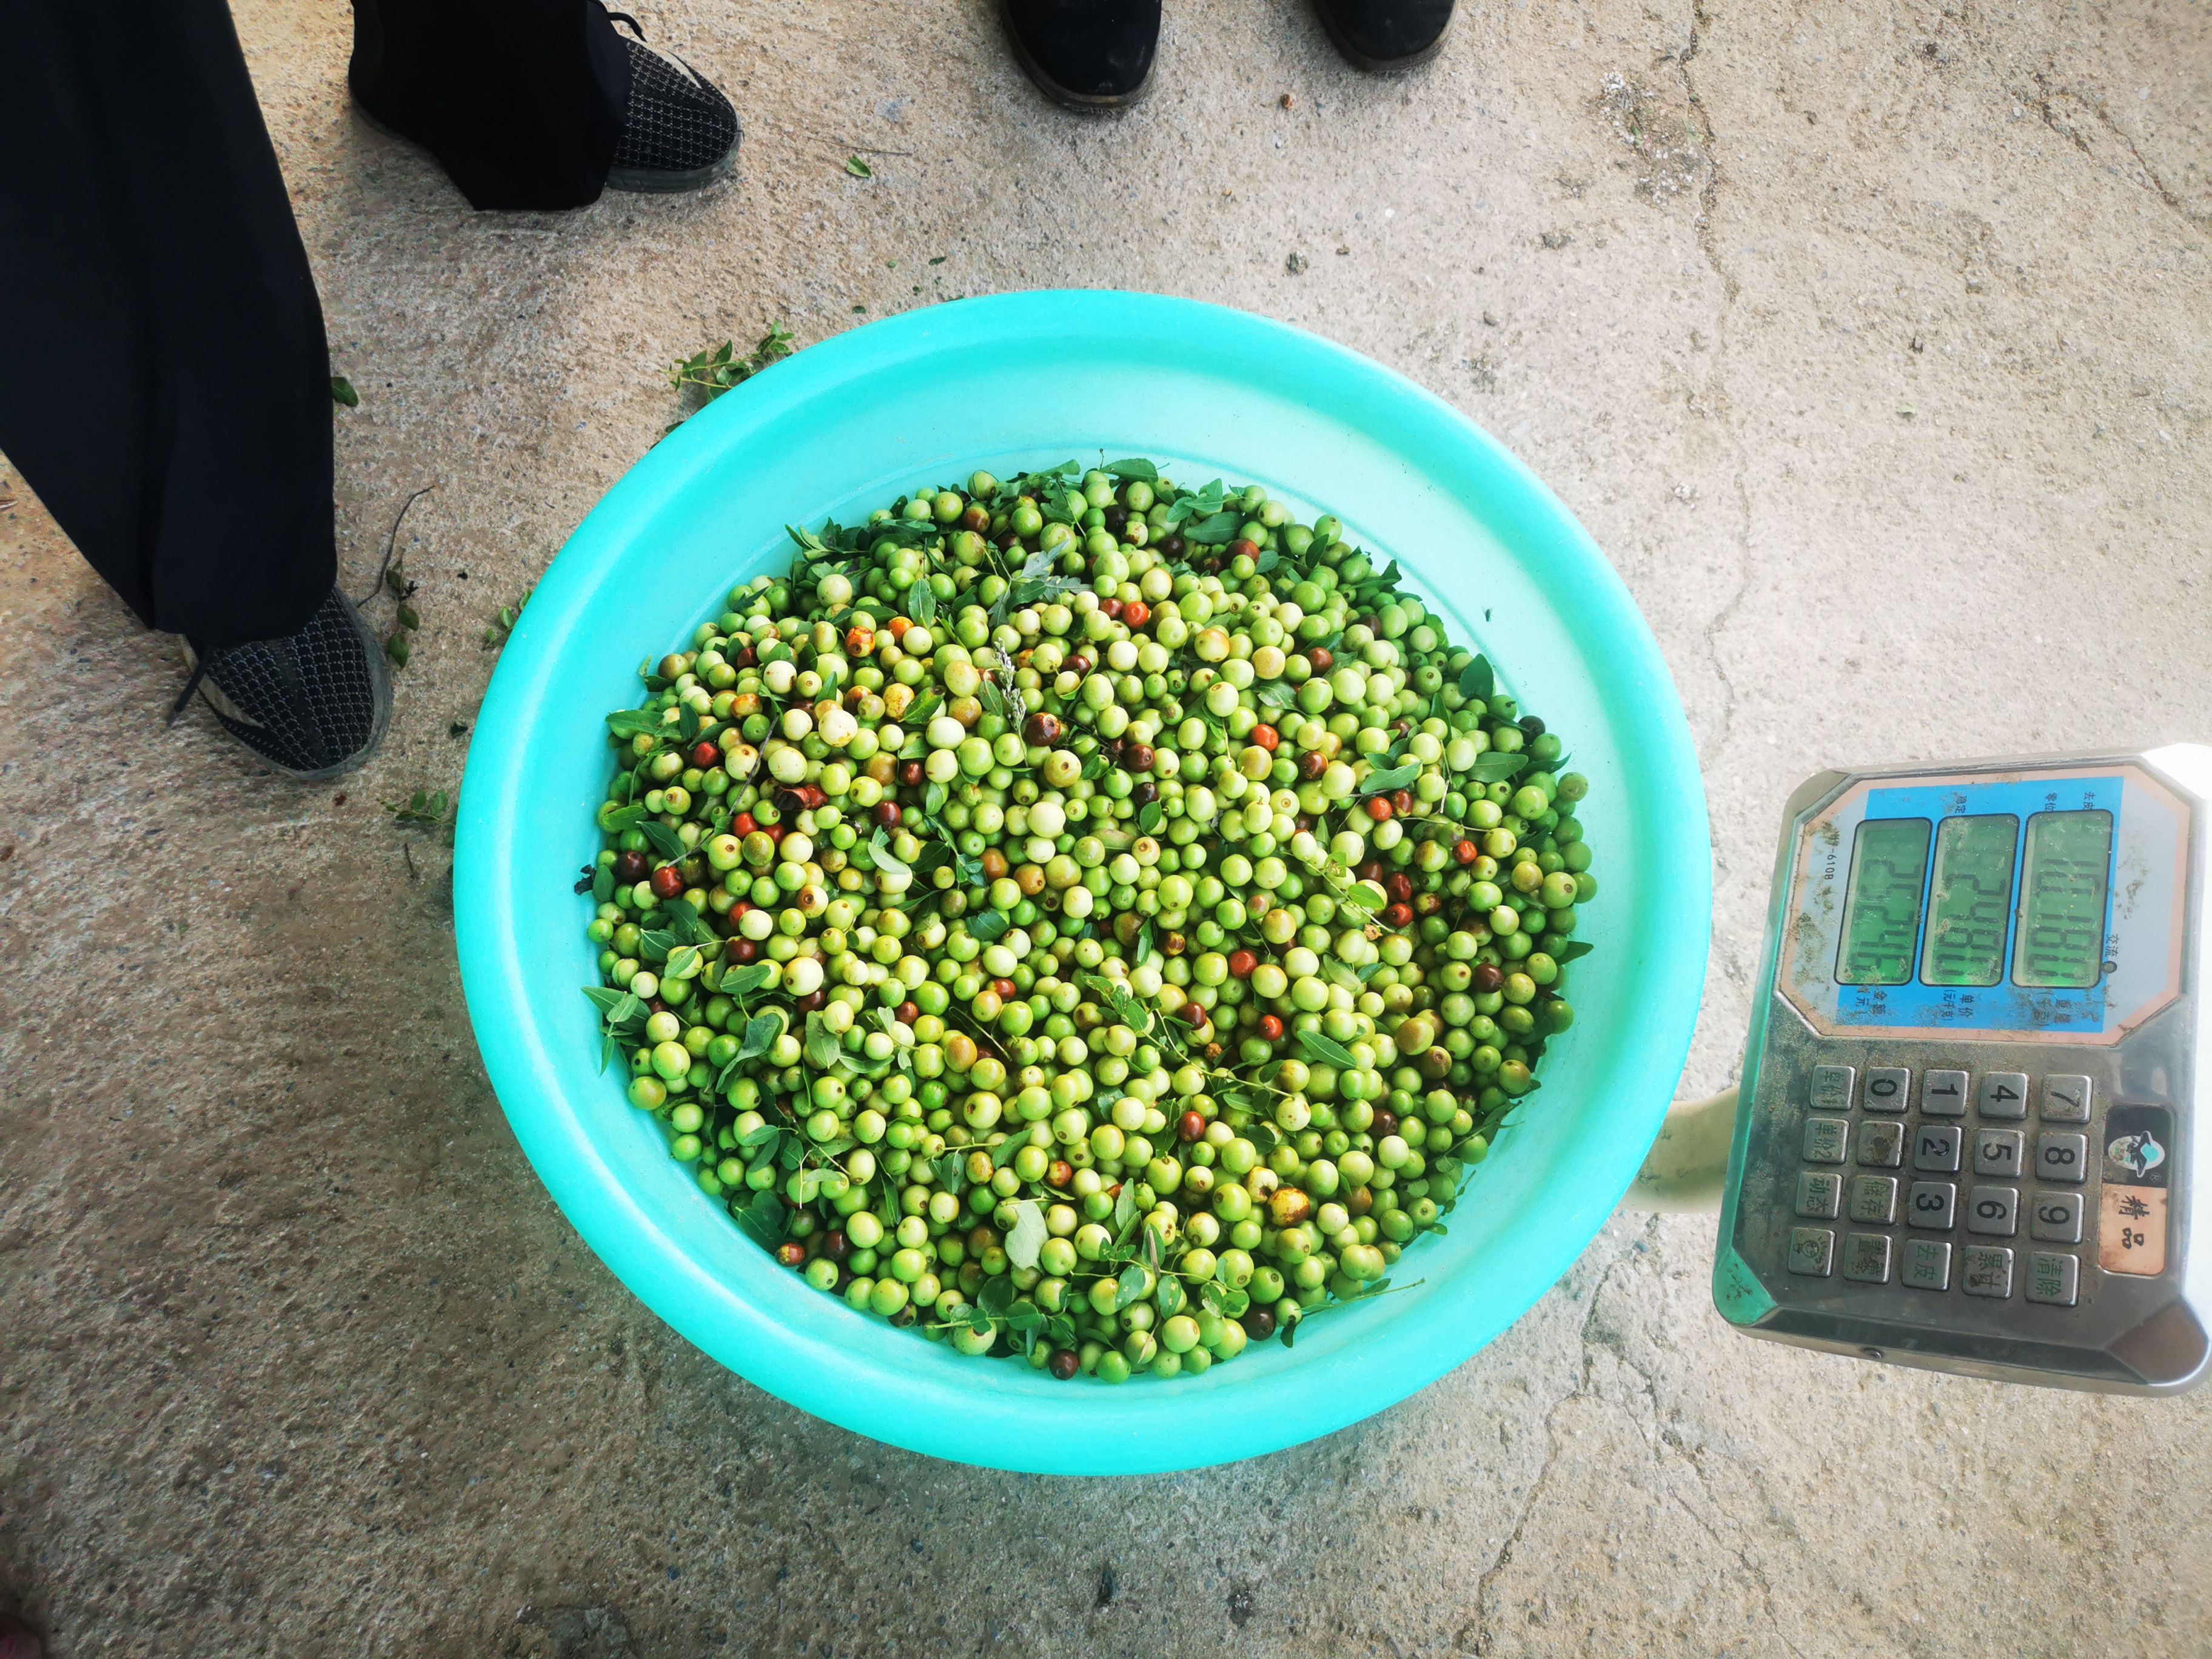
<point>2062,900</point>
<point>1881,915</point>
<point>1969,900</point>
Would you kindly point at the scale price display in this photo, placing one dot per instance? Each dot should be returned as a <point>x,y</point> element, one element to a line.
<point>1966,900</point>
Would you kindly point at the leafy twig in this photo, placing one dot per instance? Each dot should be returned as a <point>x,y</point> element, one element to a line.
<point>392,540</point>
<point>426,809</point>
<point>717,369</point>
<point>504,624</point>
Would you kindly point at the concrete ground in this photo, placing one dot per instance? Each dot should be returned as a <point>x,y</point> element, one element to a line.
<point>1871,342</point>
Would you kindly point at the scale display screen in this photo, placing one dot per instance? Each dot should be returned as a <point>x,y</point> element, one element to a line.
<point>2062,902</point>
<point>1968,903</point>
<point>1971,900</point>
<point>1881,917</point>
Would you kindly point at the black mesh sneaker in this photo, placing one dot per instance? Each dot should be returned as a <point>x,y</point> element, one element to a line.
<point>678,132</point>
<point>1089,55</point>
<point>1386,34</point>
<point>313,705</point>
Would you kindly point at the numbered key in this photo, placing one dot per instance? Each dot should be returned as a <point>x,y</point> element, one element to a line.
<point>1826,1139</point>
<point>1866,1258</point>
<point>1812,1251</point>
<point>1999,1153</point>
<point>1924,1264</point>
<point>1881,1143</point>
<point>1994,1211</point>
<point>1832,1088</point>
<point>1819,1195</point>
<point>2053,1218</point>
<point>1988,1271</point>
<point>2003,1095</point>
<point>1886,1089</point>
<point>2066,1099</point>
<point>1943,1094</point>
<point>1873,1200</point>
<point>1935,1148</point>
<point>2062,1156</point>
<point>1933,1205</point>
<point>2052,1278</point>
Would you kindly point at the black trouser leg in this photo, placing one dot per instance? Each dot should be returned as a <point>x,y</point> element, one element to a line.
<point>521,100</point>
<point>164,384</point>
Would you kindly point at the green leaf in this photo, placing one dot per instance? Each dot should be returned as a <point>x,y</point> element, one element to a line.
<point>933,798</point>
<point>952,1173</point>
<point>761,1033</point>
<point>1134,467</point>
<point>765,1218</point>
<point>1363,896</point>
<point>1007,1150</point>
<point>1477,679</point>
<point>1496,768</point>
<point>684,962</point>
<point>1130,1288</point>
<point>990,927</point>
<point>1227,1300</point>
<point>1573,948</point>
<point>740,981</point>
<point>1150,816</point>
<point>921,602</point>
<point>859,168</point>
<point>1028,1235</point>
<point>996,1299</point>
<point>1125,1213</point>
<point>879,849</point>
<point>632,722</point>
<point>1327,1050</point>
<point>1274,694</point>
<point>822,1048</point>
<point>655,943</point>
<point>1213,532</point>
<point>1268,559</point>
<point>660,838</point>
<point>767,1133</point>
<point>683,915</point>
<point>1397,777</point>
<point>341,392</point>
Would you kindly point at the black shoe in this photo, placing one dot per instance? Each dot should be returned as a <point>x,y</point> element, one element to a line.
<point>1089,55</point>
<point>1385,34</point>
<point>678,132</point>
<point>313,705</point>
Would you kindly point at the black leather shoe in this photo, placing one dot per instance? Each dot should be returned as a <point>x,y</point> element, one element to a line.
<point>1386,34</point>
<point>1087,54</point>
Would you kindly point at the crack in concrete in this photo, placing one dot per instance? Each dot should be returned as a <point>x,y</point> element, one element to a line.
<point>1649,1389</point>
<point>2050,117</point>
<point>1504,1558</point>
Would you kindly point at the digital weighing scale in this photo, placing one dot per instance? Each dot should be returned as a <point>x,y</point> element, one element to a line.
<point>1966,1139</point>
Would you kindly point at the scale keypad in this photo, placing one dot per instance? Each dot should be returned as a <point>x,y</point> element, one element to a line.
<point>1970,1182</point>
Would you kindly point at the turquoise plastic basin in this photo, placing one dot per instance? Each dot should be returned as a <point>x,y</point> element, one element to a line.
<point>1030,380</point>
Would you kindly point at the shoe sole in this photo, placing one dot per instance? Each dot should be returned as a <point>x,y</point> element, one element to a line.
<point>653,181</point>
<point>1360,60</point>
<point>379,675</point>
<point>1081,103</point>
<point>635,181</point>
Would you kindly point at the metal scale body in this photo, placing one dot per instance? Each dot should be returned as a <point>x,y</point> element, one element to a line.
<point>1967,1132</point>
